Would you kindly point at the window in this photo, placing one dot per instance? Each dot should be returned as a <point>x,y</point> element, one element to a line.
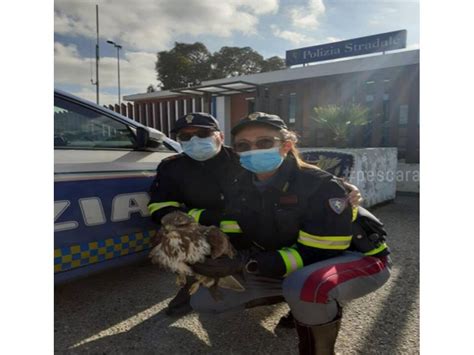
<point>369,90</point>
<point>402,142</point>
<point>250,105</point>
<point>386,89</point>
<point>353,94</point>
<point>367,132</point>
<point>386,100</point>
<point>76,126</point>
<point>292,108</point>
<point>278,106</point>
<point>403,115</point>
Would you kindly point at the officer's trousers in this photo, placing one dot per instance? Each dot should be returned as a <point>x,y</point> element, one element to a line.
<point>312,293</point>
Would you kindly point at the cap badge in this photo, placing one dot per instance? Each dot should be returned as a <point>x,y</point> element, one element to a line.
<point>253,116</point>
<point>189,118</point>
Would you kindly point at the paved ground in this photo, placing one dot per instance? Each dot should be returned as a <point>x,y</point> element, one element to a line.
<point>122,312</point>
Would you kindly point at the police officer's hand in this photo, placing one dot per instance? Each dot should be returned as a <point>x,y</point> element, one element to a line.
<point>219,267</point>
<point>355,198</point>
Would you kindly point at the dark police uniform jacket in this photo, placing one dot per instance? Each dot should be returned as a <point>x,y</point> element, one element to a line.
<point>195,187</point>
<point>301,216</point>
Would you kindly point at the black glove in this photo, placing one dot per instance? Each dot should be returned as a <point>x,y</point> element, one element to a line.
<point>219,267</point>
<point>223,266</point>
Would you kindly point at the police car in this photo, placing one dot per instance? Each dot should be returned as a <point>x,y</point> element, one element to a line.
<point>104,164</point>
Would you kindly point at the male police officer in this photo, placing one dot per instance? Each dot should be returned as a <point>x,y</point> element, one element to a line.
<point>196,181</point>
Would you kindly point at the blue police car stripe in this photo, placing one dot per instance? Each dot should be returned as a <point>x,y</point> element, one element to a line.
<point>67,258</point>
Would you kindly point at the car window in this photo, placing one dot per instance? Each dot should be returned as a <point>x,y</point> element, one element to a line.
<point>76,126</point>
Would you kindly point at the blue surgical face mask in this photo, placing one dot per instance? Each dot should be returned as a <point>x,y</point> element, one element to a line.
<point>261,160</point>
<point>200,148</point>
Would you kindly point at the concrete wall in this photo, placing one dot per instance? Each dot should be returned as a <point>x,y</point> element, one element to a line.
<point>408,177</point>
<point>373,171</point>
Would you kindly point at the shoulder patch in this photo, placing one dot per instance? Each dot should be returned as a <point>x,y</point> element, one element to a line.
<point>170,161</point>
<point>173,157</point>
<point>338,205</point>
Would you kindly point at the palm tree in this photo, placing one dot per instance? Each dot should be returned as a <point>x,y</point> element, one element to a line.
<point>340,119</point>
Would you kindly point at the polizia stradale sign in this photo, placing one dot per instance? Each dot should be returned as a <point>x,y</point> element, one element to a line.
<point>351,47</point>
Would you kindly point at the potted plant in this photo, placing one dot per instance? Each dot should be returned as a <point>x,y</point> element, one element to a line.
<point>339,120</point>
<point>371,169</point>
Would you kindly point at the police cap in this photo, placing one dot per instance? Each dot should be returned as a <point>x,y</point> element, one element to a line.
<point>258,118</point>
<point>196,119</point>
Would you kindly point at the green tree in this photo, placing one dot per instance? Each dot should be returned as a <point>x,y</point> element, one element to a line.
<point>190,64</point>
<point>150,88</point>
<point>339,120</point>
<point>185,64</point>
<point>235,61</point>
<point>273,63</point>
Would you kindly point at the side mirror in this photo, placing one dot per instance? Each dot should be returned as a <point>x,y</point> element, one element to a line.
<point>155,137</point>
<point>142,137</point>
<point>148,137</point>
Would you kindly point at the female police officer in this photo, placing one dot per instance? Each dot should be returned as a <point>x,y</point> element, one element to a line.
<point>299,222</point>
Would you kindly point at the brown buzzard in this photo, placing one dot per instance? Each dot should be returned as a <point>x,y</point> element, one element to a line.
<point>181,242</point>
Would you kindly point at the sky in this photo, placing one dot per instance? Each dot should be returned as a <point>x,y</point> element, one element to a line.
<point>145,27</point>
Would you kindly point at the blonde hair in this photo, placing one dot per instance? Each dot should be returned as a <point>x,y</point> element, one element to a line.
<point>290,136</point>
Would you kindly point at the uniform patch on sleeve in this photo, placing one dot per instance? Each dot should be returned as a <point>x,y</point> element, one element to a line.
<point>338,205</point>
<point>173,157</point>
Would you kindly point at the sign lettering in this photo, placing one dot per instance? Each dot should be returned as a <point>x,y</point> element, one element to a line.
<point>352,47</point>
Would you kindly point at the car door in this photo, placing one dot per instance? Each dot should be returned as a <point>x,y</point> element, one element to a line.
<point>101,183</point>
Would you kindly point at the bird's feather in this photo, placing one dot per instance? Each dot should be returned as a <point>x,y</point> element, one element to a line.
<point>181,242</point>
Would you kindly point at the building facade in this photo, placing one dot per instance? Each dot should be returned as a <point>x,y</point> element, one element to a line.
<point>387,84</point>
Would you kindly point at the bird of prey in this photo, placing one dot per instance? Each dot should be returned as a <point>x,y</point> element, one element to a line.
<point>181,242</point>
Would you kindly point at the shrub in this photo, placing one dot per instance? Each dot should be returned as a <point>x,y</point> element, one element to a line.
<point>339,120</point>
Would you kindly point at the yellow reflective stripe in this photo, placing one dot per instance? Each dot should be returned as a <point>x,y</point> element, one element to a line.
<point>288,265</point>
<point>341,238</point>
<point>196,213</point>
<point>354,213</point>
<point>292,259</point>
<point>153,207</point>
<point>297,256</point>
<point>230,227</point>
<point>377,250</point>
<point>325,242</point>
